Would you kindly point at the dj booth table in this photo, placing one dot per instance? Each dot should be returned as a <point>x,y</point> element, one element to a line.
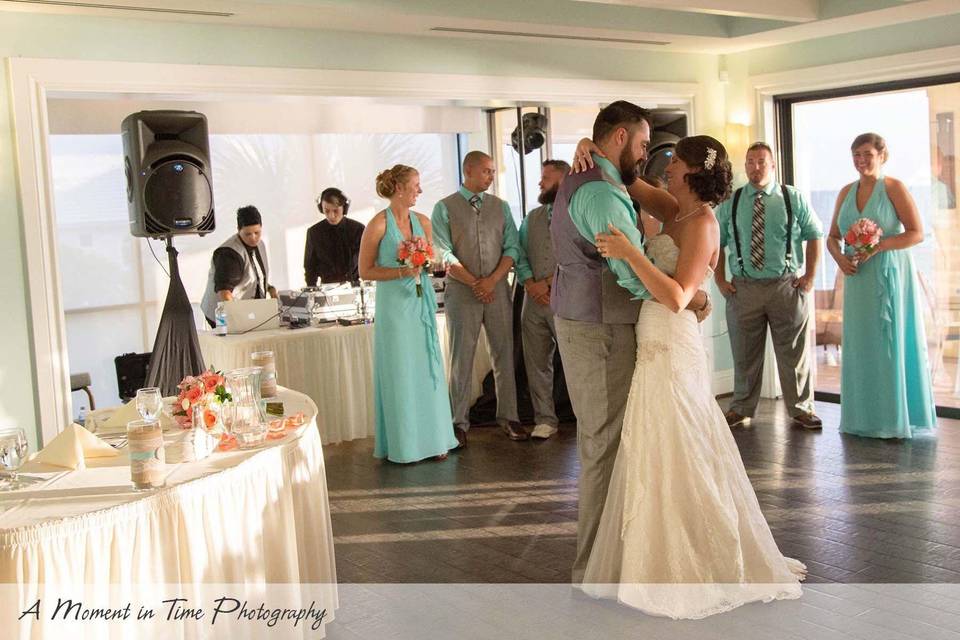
<point>332,364</point>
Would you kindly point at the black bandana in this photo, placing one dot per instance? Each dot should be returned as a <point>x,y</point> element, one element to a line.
<point>247,216</point>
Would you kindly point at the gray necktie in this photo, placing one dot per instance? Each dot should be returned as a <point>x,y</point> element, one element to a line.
<point>756,235</point>
<point>475,202</point>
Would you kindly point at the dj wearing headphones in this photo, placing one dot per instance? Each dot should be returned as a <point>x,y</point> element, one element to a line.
<point>333,244</point>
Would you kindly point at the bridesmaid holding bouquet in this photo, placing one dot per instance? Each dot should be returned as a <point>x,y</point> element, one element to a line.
<point>411,401</point>
<point>885,389</point>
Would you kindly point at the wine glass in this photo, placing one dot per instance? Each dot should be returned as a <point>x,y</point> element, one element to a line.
<point>149,403</point>
<point>13,453</point>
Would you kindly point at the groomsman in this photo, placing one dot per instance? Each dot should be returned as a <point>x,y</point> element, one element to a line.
<point>535,271</point>
<point>765,240</point>
<point>478,241</point>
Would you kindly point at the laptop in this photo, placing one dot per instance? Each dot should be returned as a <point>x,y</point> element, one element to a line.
<point>252,315</point>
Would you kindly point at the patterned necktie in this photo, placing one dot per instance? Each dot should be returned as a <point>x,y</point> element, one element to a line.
<point>756,235</point>
<point>475,202</point>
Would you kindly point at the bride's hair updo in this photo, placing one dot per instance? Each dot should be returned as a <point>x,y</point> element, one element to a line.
<point>711,173</point>
<point>389,180</point>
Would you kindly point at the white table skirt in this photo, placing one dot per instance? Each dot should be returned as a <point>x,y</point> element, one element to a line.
<point>331,364</point>
<point>251,517</point>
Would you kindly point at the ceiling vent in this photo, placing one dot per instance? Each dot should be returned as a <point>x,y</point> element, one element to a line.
<point>551,36</point>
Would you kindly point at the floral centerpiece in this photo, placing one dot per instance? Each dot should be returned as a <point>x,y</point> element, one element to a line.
<point>206,392</point>
<point>199,410</point>
<point>863,237</point>
<point>413,253</point>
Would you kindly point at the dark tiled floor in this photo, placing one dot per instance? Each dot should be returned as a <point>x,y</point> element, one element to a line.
<point>854,510</point>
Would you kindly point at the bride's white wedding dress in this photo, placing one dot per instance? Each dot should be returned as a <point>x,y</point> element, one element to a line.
<point>681,534</point>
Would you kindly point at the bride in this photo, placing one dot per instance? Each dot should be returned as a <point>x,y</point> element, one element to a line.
<point>681,534</point>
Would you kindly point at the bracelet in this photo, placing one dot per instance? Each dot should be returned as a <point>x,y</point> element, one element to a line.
<point>706,302</point>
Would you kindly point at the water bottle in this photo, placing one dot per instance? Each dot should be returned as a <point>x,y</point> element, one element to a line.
<point>220,319</point>
<point>82,415</point>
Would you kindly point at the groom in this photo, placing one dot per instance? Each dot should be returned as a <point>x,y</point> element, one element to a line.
<point>596,302</point>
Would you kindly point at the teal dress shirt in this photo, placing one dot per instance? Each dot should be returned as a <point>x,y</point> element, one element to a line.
<point>806,226</point>
<point>599,203</point>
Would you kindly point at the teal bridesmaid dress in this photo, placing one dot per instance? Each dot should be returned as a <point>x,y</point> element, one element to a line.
<point>411,401</point>
<point>885,389</point>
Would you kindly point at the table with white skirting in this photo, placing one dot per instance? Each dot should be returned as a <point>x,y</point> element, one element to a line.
<point>250,521</point>
<point>332,364</point>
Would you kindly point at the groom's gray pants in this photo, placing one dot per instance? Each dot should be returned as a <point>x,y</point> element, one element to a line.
<point>598,362</point>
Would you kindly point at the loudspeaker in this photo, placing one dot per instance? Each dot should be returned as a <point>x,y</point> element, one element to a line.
<point>534,132</point>
<point>668,128</point>
<point>169,179</point>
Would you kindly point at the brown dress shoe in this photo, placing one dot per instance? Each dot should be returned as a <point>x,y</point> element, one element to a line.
<point>461,436</point>
<point>514,431</point>
<point>808,421</point>
<point>734,419</point>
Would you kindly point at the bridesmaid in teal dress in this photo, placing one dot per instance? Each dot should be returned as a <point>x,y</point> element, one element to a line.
<point>411,400</point>
<point>885,389</point>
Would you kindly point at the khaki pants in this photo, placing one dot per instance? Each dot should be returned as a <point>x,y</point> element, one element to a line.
<point>598,361</point>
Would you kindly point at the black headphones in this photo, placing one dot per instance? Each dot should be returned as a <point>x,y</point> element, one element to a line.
<point>332,194</point>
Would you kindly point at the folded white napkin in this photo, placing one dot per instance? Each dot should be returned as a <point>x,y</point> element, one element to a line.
<point>118,420</point>
<point>72,447</point>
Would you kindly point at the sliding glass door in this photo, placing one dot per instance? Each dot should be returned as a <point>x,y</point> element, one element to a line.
<point>917,120</point>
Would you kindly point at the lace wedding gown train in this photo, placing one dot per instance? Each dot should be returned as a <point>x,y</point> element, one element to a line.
<point>681,534</point>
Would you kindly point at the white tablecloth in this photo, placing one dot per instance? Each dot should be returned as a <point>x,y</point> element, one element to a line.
<point>332,364</point>
<point>252,518</point>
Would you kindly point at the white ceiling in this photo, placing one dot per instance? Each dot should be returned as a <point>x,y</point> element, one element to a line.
<point>704,26</point>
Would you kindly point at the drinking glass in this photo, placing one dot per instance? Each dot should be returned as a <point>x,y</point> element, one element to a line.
<point>268,376</point>
<point>149,403</point>
<point>147,456</point>
<point>13,453</point>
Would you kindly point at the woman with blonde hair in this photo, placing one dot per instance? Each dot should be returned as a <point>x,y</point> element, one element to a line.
<point>411,401</point>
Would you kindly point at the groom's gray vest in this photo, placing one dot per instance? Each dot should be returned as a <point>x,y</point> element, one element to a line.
<point>584,288</point>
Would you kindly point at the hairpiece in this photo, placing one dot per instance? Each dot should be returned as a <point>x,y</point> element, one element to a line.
<point>710,159</point>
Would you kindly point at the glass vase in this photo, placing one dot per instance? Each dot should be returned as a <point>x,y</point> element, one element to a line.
<point>248,421</point>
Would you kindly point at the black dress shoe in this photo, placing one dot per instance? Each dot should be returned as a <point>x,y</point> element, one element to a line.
<point>461,436</point>
<point>514,431</point>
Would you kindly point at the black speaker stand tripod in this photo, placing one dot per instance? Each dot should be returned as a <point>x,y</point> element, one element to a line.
<point>176,349</point>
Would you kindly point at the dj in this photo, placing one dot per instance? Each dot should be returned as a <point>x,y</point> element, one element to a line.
<point>239,269</point>
<point>333,244</point>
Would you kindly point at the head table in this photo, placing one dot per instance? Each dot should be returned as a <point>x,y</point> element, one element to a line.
<point>332,364</point>
<point>250,522</point>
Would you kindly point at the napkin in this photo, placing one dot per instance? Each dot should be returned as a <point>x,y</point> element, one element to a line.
<point>72,447</point>
<point>128,413</point>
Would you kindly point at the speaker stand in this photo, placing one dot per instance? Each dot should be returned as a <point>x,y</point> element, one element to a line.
<point>176,349</point>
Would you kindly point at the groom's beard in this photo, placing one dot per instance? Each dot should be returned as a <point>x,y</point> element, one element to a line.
<point>548,196</point>
<point>629,166</point>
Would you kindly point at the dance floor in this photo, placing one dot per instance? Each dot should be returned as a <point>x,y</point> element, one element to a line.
<point>854,510</point>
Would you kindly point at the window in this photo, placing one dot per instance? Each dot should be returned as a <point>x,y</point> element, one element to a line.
<point>917,121</point>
